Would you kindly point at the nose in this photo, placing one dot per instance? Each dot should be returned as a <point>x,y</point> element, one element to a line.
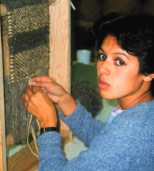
<point>103,68</point>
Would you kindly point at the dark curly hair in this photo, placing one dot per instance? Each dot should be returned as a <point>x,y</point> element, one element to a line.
<point>135,34</point>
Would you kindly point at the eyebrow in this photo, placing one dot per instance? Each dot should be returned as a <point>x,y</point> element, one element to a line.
<point>102,50</point>
<point>116,53</point>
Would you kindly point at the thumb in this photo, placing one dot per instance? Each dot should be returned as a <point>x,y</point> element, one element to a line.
<point>35,89</point>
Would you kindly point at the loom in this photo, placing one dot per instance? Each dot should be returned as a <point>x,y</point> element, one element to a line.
<point>25,34</point>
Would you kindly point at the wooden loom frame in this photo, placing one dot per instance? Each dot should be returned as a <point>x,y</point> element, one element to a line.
<point>59,59</point>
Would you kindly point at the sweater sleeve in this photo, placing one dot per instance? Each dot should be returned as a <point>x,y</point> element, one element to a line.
<point>82,124</point>
<point>52,157</point>
<point>117,148</point>
<point>124,144</point>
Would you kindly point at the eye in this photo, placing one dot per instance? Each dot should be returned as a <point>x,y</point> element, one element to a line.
<point>119,62</point>
<point>101,57</point>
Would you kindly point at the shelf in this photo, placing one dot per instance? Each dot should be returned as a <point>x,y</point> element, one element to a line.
<point>23,160</point>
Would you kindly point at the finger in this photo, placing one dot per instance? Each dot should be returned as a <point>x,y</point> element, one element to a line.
<point>36,89</point>
<point>41,79</point>
<point>25,100</point>
<point>25,104</point>
<point>43,89</point>
<point>45,85</point>
<point>29,91</point>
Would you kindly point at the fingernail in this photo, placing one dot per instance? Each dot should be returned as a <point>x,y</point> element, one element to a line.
<point>32,83</point>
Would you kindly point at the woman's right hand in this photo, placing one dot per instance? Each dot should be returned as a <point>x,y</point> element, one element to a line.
<point>40,106</point>
<point>56,93</point>
<point>50,87</point>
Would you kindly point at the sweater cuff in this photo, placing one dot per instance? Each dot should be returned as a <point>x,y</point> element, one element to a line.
<point>49,143</point>
<point>75,116</point>
<point>77,110</point>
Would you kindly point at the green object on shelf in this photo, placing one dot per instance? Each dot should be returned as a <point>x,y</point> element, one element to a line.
<point>81,71</point>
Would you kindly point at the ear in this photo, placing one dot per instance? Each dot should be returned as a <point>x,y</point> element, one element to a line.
<point>149,77</point>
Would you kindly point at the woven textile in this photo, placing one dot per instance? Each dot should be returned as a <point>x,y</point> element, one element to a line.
<point>27,29</point>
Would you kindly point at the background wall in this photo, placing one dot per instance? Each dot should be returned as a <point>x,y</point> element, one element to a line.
<point>87,12</point>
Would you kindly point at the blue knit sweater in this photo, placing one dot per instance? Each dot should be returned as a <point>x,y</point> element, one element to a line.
<point>125,144</point>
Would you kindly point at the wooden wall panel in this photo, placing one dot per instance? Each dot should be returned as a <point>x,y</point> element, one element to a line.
<point>60,42</point>
<point>2,119</point>
<point>59,63</point>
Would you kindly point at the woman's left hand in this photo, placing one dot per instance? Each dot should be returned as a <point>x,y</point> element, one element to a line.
<point>40,106</point>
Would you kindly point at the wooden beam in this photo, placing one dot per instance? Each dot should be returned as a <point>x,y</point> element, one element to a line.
<point>59,64</point>
<point>3,10</point>
<point>2,118</point>
<point>23,160</point>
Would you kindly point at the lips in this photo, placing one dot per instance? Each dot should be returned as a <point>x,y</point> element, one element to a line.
<point>103,85</point>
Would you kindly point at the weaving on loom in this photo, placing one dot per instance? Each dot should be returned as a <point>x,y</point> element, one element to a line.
<point>25,31</point>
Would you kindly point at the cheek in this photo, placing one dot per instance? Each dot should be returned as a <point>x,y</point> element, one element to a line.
<point>98,68</point>
<point>98,64</point>
<point>128,82</point>
<point>124,80</point>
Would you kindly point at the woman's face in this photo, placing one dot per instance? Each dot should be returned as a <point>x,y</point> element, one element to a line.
<point>118,71</point>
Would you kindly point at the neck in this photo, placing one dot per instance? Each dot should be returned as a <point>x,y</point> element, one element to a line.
<point>130,101</point>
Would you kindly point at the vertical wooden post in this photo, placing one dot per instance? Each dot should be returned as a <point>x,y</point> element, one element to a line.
<point>59,63</point>
<point>2,118</point>
<point>60,42</point>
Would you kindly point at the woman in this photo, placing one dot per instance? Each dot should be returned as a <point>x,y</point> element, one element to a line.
<point>125,72</point>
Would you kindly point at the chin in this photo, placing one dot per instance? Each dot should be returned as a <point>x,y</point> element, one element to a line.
<point>108,95</point>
